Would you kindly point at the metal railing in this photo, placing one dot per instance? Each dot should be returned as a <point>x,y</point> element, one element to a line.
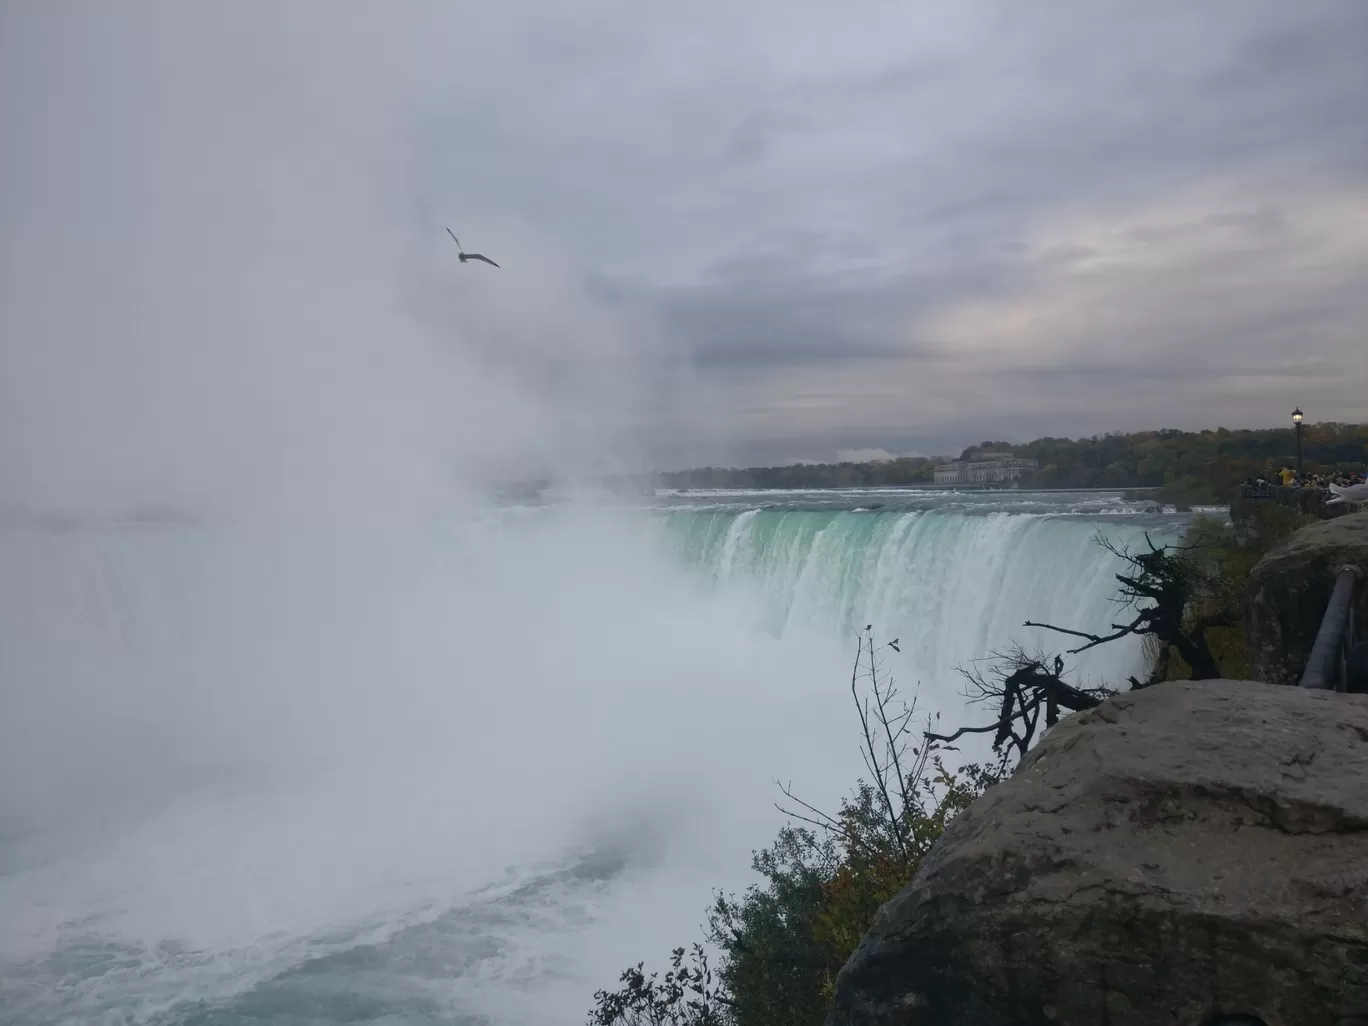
<point>1327,666</point>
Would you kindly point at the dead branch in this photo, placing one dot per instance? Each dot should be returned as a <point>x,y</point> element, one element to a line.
<point>1093,640</point>
<point>1022,686</point>
<point>824,822</point>
<point>947,738</point>
<point>871,758</point>
<point>897,770</point>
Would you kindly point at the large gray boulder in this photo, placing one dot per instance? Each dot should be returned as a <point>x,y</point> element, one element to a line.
<point>1192,849</point>
<point>1288,591</point>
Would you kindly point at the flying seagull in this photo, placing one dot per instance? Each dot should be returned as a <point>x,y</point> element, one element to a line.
<point>469,256</point>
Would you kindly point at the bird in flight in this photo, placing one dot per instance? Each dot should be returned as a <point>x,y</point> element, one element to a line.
<point>464,256</point>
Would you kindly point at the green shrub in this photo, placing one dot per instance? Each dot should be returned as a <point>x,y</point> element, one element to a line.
<point>685,996</point>
<point>1221,561</point>
<point>782,942</point>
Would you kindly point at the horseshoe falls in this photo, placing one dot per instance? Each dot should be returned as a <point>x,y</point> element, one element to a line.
<point>461,770</point>
<point>952,586</point>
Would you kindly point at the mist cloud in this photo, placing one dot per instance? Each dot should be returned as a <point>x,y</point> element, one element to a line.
<point>218,292</point>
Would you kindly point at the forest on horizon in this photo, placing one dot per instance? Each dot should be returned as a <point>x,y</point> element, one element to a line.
<point>1193,466</point>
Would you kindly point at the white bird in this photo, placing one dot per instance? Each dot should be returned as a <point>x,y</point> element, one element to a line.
<point>464,256</point>
<point>1349,493</point>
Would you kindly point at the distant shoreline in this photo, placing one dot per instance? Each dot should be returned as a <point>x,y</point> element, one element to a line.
<point>910,488</point>
<point>1182,467</point>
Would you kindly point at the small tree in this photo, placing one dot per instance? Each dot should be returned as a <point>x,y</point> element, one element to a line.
<point>784,945</point>
<point>1162,587</point>
<point>782,942</point>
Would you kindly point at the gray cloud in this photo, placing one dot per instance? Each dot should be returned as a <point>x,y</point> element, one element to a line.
<point>730,232</point>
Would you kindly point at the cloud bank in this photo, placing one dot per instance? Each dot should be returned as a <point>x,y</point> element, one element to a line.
<point>729,234</point>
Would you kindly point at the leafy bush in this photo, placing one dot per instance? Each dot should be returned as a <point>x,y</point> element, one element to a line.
<point>1221,560</point>
<point>783,941</point>
<point>686,996</point>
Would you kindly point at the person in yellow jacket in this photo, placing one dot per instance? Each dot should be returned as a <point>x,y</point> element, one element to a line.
<point>1288,475</point>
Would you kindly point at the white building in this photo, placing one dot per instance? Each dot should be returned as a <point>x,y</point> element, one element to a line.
<point>982,470</point>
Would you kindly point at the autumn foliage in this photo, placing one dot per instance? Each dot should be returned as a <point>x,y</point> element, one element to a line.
<point>780,945</point>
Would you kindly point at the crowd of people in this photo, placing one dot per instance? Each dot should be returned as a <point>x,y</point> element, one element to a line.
<point>1286,477</point>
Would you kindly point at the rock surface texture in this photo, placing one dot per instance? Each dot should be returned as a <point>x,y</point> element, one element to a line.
<point>1178,853</point>
<point>1289,589</point>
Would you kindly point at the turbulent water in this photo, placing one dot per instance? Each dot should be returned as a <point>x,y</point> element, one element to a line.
<point>465,771</point>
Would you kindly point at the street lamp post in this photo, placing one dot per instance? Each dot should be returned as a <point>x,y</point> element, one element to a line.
<point>1297,416</point>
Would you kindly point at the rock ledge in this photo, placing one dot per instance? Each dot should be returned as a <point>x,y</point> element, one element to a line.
<point>1179,852</point>
<point>1289,589</point>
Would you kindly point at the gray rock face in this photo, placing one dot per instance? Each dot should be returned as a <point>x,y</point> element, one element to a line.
<point>1288,591</point>
<point>1186,851</point>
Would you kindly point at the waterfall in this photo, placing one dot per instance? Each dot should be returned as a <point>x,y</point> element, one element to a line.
<point>953,586</point>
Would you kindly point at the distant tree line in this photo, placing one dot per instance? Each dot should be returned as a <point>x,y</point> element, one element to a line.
<point>1205,466</point>
<point>906,470</point>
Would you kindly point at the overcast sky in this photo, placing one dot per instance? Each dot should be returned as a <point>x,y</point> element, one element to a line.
<point>809,229</point>
<point>907,226</point>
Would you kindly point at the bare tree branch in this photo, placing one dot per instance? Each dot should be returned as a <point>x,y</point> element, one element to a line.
<point>1023,687</point>
<point>947,738</point>
<point>879,773</point>
<point>833,827</point>
<point>1093,640</point>
<point>881,700</point>
<point>881,822</point>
